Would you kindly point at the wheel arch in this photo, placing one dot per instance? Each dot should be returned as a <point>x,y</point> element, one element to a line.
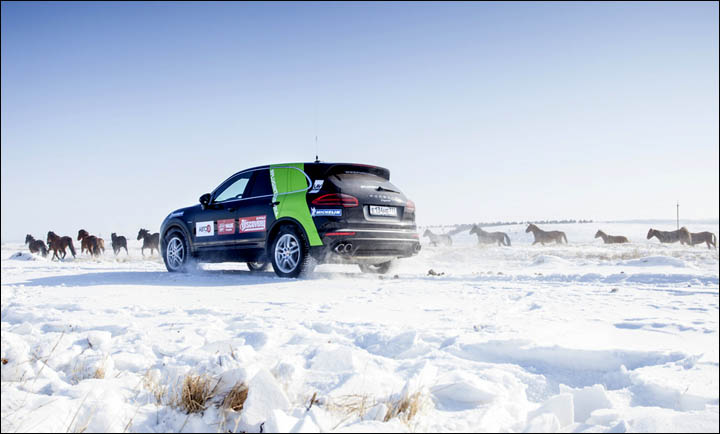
<point>176,225</point>
<point>277,224</point>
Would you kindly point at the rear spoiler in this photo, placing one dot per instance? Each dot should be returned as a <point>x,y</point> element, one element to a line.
<point>358,168</point>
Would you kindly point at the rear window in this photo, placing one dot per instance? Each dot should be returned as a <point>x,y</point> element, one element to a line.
<point>362,181</point>
<point>359,169</point>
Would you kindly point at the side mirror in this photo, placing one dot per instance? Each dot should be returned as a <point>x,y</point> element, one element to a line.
<point>205,200</point>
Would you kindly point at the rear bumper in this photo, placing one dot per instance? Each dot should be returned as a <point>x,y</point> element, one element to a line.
<point>358,246</point>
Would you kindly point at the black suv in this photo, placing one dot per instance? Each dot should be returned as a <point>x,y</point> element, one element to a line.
<point>294,216</point>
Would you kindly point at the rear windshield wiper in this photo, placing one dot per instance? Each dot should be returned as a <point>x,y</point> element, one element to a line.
<point>381,188</point>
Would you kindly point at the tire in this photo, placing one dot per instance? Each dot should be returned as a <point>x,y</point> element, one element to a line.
<point>258,266</point>
<point>290,253</point>
<point>381,268</point>
<point>176,253</point>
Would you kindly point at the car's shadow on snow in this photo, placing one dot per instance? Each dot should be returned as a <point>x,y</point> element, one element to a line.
<point>159,278</point>
<point>163,278</point>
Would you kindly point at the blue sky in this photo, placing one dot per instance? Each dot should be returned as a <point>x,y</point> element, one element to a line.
<point>115,114</point>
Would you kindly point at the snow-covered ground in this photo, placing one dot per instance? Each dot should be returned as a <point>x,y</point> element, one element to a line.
<point>579,337</point>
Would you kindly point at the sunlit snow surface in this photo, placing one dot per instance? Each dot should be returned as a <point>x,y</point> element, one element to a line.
<point>581,337</point>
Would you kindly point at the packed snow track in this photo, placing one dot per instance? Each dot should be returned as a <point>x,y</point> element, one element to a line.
<point>577,337</point>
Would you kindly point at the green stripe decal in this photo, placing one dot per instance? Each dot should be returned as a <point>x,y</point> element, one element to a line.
<point>290,189</point>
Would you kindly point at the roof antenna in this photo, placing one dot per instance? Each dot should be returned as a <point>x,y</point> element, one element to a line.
<point>317,159</point>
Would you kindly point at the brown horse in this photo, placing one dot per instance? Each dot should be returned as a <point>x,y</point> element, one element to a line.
<point>682,235</point>
<point>118,242</point>
<point>56,242</point>
<point>36,245</point>
<point>88,242</point>
<point>611,239</point>
<point>703,237</point>
<point>150,241</point>
<point>484,237</point>
<point>543,237</point>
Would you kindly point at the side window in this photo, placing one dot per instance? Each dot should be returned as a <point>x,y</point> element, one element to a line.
<point>235,189</point>
<point>261,184</point>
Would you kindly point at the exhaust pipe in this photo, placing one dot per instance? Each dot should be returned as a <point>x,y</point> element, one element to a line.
<point>343,248</point>
<point>417,247</point>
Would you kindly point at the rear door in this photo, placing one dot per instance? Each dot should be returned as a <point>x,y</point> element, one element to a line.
<point>380,201</point>
<point>255,215</point>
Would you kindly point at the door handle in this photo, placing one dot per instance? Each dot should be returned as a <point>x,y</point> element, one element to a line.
<point>231,209</point>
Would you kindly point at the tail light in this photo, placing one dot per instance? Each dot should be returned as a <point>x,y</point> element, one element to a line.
<point>336,199</point>
<point>410,206</point>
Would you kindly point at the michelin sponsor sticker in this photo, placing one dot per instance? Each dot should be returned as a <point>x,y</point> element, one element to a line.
<point>317,185</point>
<point>325,212</point>
<point>204,229</point>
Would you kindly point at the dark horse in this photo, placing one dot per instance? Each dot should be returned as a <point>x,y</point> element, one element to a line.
<point>611,239</point>
<point>36,245</point>
<point>88,242</point>
<point>543,237</point>
<point>150,241</point>
<point>56,242</point>
<point>682,235</point>
<point>501,238</point>
<point>118,243</point>
<point>703,237</point>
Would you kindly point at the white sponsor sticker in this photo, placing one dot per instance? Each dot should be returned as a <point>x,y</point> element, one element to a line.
<point>204,229</point>
<point>317,185</point>
<point>325,212</point>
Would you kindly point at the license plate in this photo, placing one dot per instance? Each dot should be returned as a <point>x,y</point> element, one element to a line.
<point>383,211</point>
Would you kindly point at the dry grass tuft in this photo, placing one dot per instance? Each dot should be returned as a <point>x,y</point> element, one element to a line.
<point>352,405</point>
<point>158,391</point>
<point>195,393</point>
<point>406,407</point>
<point>4,361</point>
<point>313,400</point>
<point>99,372</point>
<point>235,399</point>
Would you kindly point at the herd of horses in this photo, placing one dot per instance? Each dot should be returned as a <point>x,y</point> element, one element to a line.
<point>94,246</point>
<point>683,235</point>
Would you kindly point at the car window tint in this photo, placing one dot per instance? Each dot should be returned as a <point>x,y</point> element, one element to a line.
<point>261,184</point>
<point>235,190</point>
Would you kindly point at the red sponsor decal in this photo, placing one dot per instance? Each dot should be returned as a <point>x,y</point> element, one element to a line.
<point>252,224</point>
<point>226,227</point>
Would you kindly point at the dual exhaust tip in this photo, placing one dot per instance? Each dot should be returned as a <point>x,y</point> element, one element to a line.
<point>343,248</point>
<point>347,248</point>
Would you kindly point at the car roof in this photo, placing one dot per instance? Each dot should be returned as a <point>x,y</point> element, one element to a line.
<point>325,167</point>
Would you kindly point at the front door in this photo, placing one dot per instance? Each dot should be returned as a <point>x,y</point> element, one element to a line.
<point>212,225</point>
<point>234,225</point>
